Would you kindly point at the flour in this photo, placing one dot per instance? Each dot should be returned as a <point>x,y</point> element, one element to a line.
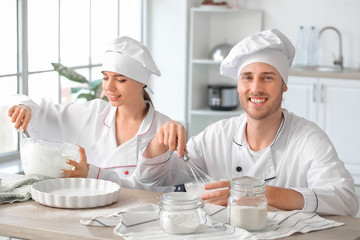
<point>248,218</point>
<point>180,222</point>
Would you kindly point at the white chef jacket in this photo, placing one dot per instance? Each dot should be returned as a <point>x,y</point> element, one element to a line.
<point>92,126</point>
<point>301,157</point>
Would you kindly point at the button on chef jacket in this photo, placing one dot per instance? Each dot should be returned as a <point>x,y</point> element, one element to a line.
<point>301,157</point>
<point>92,126</point>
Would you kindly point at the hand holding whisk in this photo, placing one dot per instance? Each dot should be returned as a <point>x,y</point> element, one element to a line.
<point>199,175</point>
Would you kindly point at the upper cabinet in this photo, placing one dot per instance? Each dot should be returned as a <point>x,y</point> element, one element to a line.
<point>209,28</point>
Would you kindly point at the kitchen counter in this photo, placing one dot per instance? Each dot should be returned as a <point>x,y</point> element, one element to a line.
<point>30,220</point>
<point>347,73</point>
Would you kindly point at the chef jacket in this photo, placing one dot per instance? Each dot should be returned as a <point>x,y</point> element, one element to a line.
<point>92,126</point>
<point>301,157</point>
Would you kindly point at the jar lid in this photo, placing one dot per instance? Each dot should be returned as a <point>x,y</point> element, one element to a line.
<point>248,186</point>
<point>179,201</point>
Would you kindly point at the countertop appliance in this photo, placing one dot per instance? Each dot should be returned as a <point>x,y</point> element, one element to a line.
<point>223,97</point>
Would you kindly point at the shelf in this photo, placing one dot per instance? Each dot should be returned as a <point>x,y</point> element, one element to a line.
<point>209,27</point>
<point>222,10</point>
<point>205,61</point>
<point>210,112</point>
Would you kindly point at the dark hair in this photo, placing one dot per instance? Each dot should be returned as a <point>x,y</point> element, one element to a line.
<point>146,95</point>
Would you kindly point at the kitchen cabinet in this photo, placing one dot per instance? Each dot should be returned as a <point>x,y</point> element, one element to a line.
<point>332,104</point>
<point>208,28</point>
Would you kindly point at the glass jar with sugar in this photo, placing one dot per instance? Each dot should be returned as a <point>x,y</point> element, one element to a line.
<point>247,203</point>
<point>179,212</point>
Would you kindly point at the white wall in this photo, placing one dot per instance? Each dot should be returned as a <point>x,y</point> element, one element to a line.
<point>288,15</point>
<point>167,40</point>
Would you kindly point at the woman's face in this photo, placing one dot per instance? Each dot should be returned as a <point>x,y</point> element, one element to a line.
<point>122,90</point>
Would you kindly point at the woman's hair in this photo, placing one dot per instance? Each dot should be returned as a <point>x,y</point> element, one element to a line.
<point>146,95</point>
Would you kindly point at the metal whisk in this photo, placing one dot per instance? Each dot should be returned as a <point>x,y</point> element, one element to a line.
<point>199,175</point>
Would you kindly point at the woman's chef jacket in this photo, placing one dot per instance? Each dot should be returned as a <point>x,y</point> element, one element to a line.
<point>301,157</point>
<point>92,126</point>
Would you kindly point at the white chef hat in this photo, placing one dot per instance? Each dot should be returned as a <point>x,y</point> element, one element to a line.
<point>130,58</point>
<point>270,46</point>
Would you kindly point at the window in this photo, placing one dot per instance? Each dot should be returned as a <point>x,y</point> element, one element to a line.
<point>39,32</point>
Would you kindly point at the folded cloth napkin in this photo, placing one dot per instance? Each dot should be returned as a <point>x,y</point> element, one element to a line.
<point>143,223</point>
<point>19,190</point>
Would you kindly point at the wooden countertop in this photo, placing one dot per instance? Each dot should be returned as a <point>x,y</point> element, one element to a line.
<point>31,220</point>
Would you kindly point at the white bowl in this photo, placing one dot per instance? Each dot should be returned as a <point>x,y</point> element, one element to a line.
<point>46,157</point>
<point>197,188</point>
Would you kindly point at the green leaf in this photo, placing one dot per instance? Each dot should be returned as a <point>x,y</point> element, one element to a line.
<point>76,89</point>
<point>95,84</point>
<point>87,96</point>
<point>69,73</point>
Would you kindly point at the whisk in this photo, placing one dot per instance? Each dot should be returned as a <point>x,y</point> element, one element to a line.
<point>199,175</point>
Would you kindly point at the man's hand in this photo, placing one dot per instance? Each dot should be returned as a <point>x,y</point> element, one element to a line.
<point>219,197</point>
<point>170,136</point>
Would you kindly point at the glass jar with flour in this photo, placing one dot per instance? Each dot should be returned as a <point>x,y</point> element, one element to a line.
<point>247,203</point>
<point>179,212</point>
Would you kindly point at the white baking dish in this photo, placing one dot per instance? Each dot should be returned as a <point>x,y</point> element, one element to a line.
<point>75,192</point>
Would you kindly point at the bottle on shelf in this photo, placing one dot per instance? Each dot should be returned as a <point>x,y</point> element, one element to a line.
<point>313,48</point>
<point>300,55</point>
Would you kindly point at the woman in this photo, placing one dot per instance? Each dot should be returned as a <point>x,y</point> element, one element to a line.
<point>112,133</point>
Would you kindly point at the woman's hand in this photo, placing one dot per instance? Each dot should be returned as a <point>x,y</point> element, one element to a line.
<point>81,168</point>
<point>20,115</point>
<point>171,135</point>
<point>219,197</point>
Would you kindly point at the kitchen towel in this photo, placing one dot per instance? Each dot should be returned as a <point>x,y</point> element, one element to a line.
<point>19,190</point>
<point>143,223</point>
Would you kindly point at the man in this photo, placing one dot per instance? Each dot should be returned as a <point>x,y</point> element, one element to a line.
<point>294,156</point>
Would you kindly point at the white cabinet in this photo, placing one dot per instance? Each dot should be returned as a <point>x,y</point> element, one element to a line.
<point>208,28</point>
<point>332,104</point>
<point>301,97</point>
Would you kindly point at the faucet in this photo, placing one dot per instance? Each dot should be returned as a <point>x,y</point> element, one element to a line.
<point>338,61</point>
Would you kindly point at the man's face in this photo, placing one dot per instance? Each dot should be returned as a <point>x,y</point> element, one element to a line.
<point>260,89</point>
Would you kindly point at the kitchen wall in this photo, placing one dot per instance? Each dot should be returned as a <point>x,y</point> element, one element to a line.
<point>288,15</point>
<point>167,39</point>
<point>167,22</point>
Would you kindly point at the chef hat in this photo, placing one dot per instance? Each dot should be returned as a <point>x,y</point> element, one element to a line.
<point>130,58</point>
<point>270,46</point>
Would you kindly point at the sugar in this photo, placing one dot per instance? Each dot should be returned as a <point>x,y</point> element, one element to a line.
<point>248,218</point>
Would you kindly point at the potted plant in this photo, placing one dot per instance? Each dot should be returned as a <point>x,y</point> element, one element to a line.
<point>91,91</point>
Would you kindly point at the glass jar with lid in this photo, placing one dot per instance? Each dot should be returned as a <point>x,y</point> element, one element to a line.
<point>179,212</point>
<point>247,203</point>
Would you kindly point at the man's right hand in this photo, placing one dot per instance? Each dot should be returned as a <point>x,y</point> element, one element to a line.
<point>20,115</point>
<point>170,136</point>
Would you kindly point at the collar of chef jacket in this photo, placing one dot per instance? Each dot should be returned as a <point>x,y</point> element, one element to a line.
<point>264,167</point>
<point>145,125</point>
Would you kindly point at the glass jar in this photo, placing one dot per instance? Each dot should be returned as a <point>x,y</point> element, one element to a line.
<point>179,212</point>
<point>247,203</point>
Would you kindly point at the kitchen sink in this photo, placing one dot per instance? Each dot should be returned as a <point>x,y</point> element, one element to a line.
<point>323,69</point>
<point>317,68</point>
